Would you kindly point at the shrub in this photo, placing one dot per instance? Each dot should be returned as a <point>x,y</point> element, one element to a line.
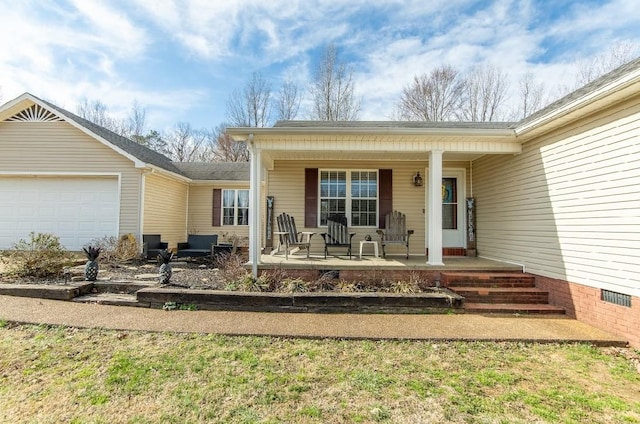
<point>40,256</point>
<point>326,282</point>
<point>270,279</point>
<point>293,285</point>
<point>402,286</point>
<point>231,268</point>
<point>114,250</point>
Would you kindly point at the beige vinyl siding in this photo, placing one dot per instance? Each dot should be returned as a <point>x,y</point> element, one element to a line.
<point>568,207</point>
<point>165,208</point>
<point>60,148</point>
<point>200,220</point>
<point>286,184</point>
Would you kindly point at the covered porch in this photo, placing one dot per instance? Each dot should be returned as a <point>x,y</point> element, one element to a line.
<point>298,167</point>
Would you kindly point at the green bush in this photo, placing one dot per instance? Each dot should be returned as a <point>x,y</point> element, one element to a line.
<point>40,256</point>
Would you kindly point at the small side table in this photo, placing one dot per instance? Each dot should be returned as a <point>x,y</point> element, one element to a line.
<point>371,242</point>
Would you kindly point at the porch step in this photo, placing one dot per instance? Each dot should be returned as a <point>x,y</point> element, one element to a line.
<point>484,279</point>
<point>499,292</point>
<point>513,308</point>
<point>501,295</point>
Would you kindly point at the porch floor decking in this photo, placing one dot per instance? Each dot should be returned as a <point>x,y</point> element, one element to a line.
<point>391,263</point>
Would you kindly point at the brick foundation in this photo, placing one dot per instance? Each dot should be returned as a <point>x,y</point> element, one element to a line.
<point>451,251</point>
<point>365,275</point>
<point>584,303</point>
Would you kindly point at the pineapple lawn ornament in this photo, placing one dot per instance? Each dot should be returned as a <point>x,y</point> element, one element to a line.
<point>92,267</point>
<point>164,259</point>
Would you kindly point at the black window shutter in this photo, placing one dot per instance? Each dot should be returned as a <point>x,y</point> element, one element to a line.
<point>311,197</point>
<point>217,207</point>
<point>386,194</point>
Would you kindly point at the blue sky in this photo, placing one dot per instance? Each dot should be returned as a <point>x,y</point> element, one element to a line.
<point>181,60</point>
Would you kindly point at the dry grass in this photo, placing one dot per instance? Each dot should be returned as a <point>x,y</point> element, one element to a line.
<point>52,374</point>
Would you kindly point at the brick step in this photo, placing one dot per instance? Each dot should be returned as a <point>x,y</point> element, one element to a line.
<point>483,279</point>
<point>512,308</point>
<point>502,294</point>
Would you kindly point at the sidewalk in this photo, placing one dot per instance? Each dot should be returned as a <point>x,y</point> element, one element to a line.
<point>353,326</point>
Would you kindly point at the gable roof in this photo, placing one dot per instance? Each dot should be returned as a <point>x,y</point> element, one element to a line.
<point>138,153</point>
<point>621,81</point>
<point>219,171</point>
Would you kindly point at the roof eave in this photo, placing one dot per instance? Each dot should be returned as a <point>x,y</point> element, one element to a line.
<point>243,133</point>
<point>220,182</point>
<point>625,82</point>
<point>155,168</point>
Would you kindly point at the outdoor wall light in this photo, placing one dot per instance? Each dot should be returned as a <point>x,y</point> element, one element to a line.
<point>417,180</point>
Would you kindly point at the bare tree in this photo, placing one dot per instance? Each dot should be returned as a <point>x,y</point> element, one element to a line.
<point>592,68</point>
<point>432,97</point>
<point>333,90</point>
<point>485,92</point>
<point>184,144</point>
<point>287,102</point>
<point>133,126</point>
<point>227,149</point>
<point>531,94</point>
<point>251,106</point>
<point>96,112</point>
<point>136,120</point>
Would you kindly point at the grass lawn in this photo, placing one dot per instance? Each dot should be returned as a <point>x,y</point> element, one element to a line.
<point>56,374</point>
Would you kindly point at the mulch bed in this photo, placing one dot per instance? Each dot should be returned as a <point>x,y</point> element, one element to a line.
<point>192,275</point>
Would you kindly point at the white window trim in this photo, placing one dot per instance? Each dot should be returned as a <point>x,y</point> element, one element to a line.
<point>348,193</point>
<point>235,208</point>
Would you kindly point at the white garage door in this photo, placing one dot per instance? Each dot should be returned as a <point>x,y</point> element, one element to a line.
<point>78,210</point>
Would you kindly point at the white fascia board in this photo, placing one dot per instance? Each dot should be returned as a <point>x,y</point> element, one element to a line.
<point>590,97</point>
<point>243,133</point>
<point>221,182</point>
<point>157,169</point>
<point>7,108</point>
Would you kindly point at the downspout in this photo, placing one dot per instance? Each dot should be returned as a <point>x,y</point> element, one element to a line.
<point>143,189</point>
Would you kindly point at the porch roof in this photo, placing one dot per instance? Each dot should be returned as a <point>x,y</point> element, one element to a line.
<point>374,140</point>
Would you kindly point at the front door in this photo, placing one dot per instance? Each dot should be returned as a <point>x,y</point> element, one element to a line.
<point>453,222</point>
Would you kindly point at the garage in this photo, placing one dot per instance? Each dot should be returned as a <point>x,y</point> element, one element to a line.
<point>78,209</point>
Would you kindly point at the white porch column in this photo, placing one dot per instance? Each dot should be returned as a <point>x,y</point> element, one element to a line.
<point>435,208</point>
<point>255,210</point>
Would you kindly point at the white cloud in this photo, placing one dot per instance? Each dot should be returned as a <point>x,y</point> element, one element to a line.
<point>194,53</point>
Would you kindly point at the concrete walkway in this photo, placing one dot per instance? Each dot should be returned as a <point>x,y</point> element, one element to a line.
<point>353,326</point>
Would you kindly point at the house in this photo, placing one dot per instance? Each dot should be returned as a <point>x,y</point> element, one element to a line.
<point>557,193</point>
<point>64,175</point>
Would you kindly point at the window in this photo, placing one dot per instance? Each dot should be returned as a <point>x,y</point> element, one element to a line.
<point>333,194</point>
<point>350,193</point>
<point>449,204</point>
<point>364,199</point>
<point>235,207</point>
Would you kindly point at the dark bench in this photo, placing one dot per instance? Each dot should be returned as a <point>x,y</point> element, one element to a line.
<point>152,245</point>
<point>197,245</point>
